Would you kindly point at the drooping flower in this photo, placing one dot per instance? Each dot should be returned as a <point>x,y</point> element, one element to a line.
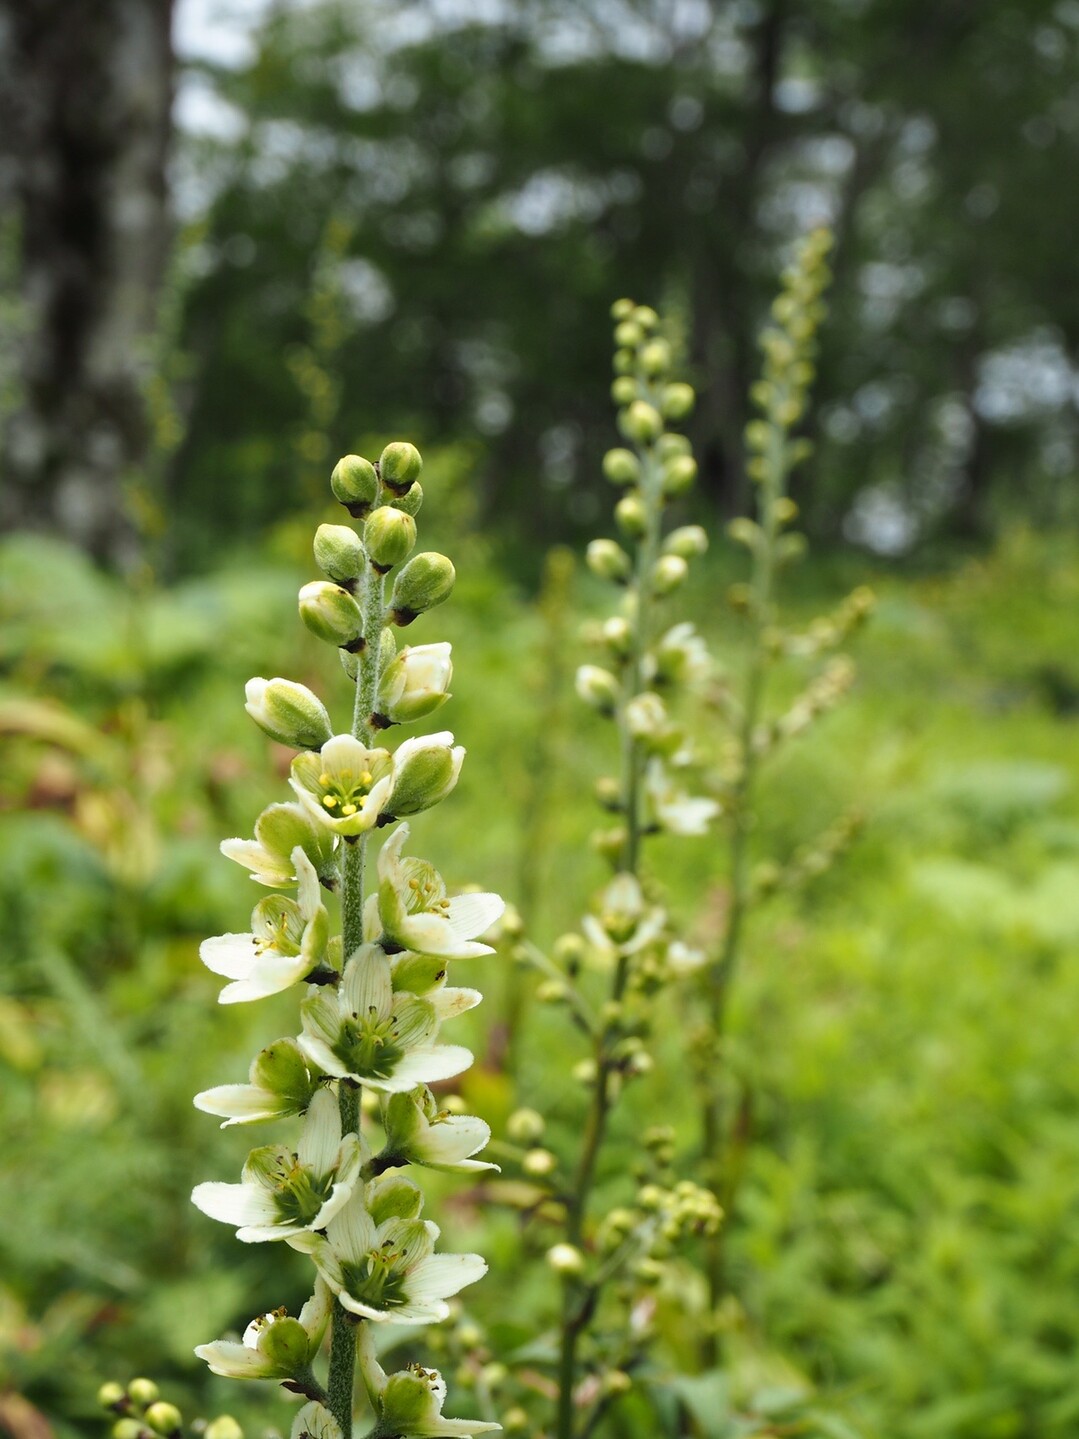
<point>378,1257</point>
<point>289,939</point>
<point>283,1192</point>
<point>344,785</point>
<point>676,811</point>
<point>278,830</point>
<point>626,923</point>
<point>280,1085</point>
<point>418,1132</point>
<point>413,911</point>
<point>275,1346</point>
<point>408,1404</point>
<point>365,1031</point>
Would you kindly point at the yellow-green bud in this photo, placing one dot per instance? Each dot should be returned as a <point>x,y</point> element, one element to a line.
<point>111,1394</point>
<point>332,614</point>
<point>628,335</point>
<point>608,560</point>
<point>470,1335</point>
<point>630,516</point>
<point>142,1392</point>
<point>287,1344</point>
<point>539,1163</point>
<point>515,1419</point>
<point>624,390</point>
<point>785,510</point>
<point>399,466</point>
<point>569,950</point>
<point>426,581</point>
<point>670,571</point>
<point>494,1374</point>
<point>608,792</point>
<point>671,444</point>
<point>687,541</point>
<point>355,484</point>
<point>425,772</point>
<point>610,843</point>
<point>166,1418</point>
<point>646,317</point>
<point>656,358</point>
<point>410,501</point>
<point>565,1259</point>
<point>288,712</point>
<point>625,361</point>
<point>617,633</point>
<point>597,687</point>
<point>388,537</point>
<point>622,467</point>
<point>622,309</point>
<point>551,991</point>
<point>127,1429</point>
<point>677,401</point>
<point>679,474</point>
<point>641,422</point>
<point>223,1427</point>
<point>584,1071</point>
<point>339,553</point>
<point>617,1381</point>
<point>745,531</point>
<point>414,684</point>
<point>525,1126</point>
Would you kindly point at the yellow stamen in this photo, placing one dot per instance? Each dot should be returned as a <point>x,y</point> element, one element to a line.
<point>324,780</point>
<point>365,778</point>
<point>329,800</point>
<point>348,809</point>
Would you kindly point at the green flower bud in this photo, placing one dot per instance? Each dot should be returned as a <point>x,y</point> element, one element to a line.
<point>677,401</point>
<point>679,474</point>
<point>745,531</point>
<point>656,358</point>
<point>641,423</point>
<point>687,541</point>
<point>111,1394</point>
<point>785,510</point>
<point>646,317</point>
<point>339,553</point>
<point>608,560</point>
<point>669,573</point>
<point>422,584</point>
<point>165,1418</point>
<point>142,1392</point>
<point>625,362</point>
<point>630,516</point>
<point>223,1427</point>
<point>288,712</point>
<point>287,1343</point>
<point>624,390</point>
<point>127,1429</point>
<point>388,537</point>
<point>525,1126</point>
<point>425,772</point>
<point>671,444</point>
<point>622,309</point>
<point>622,467</point>
<point>569,950</point>
<point>598,688</point>
<point>332,614</point>
<point>355,483</point>
<point>399,466</point>
<point>410,502</point>
<point>414,684</point>
<point>565,1259</point>
<point>628,335</point>
<point>515,1419</point>
<point>539,1163</point>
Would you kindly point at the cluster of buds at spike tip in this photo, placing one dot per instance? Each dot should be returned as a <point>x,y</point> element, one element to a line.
<point>376,995</point>
<point>139,1412</point>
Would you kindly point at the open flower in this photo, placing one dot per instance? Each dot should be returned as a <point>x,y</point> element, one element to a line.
<point>278,830</point>
<point>283,1192</point>
<point>418,1132</point>
<point>280,1085</point>
<point>414,913</point>
<point>378,1256</point>
<point>365,1031</point>
<point>676,811</point>
<point>343,785</point>
<point>414,684</point>
<point>288,941</point>
<point>626,924</point>
<point>408,1404</point>
<point>314,1421</point>
<point>275,1346</point>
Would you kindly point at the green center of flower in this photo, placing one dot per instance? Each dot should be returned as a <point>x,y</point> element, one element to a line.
<point>425,891</point>
<point>378,1279</point>
<point>369,1045</point>
<point>344,793</point>
<point>278,925</point>
<point>298,1193</point>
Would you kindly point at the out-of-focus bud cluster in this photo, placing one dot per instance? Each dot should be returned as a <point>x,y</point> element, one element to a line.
<point>822,694</point>
<point>809,861</point>
<point>139,1412</point>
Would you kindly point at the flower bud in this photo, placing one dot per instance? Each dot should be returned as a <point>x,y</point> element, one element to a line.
<point>669,573</point>
<point>287,1344</point>
<point>515,1419</point>
<point>745,531</point>
<point>127,1429</point>
<point>539,1163</point>
<point>399,466</point>
<point>410,501</point>
<point>670,445</point>
<point>624,390</point>
<point>630,516</point>
<point>223,1427</point>
<point>112,1394</point>
<point>551,991</point>
<point>422,584</point>
<point>569,950</point>
<point>355,483</point>
<point>656,358</point>
<point>339,553</point>
<point>622,309</point>
<point>524,1126</point>
<point>608,792</point>
<point>608,560</point>
<point>565,1259</point>
<point>628,335</point>
<point>142,1392</point>
<point>414,684</point>
<point>641,422</point>
<point>288,712</point>
<point>332,614</point>
<point>597,687</point>
<point>625,362</point>
<point>646,716</point>
<point>166,1418</point>
<point>679,474</point>
<point>677,401</point>
<point>622,467</point>
<point>388,537</point>
<point>425,771</point>
<point>689,541</point>
<point>646,317</point>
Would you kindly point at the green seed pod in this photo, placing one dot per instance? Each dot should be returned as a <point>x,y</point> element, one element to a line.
<point>630,516</point>
<point>656,358</point>
<point>641,423</point>
<point>288,712</point>
<point>332,614</point>
<point>339,553</point>
<point>679,474</point>
<point>399,466</point>
<point>677,401</point>
<point>622,467</point>
<point>422,584</point>
<point>388,537</point>
<point>687,541</point>
<point>355,483</point>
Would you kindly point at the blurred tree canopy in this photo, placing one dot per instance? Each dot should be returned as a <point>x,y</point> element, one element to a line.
<point>415,216</point>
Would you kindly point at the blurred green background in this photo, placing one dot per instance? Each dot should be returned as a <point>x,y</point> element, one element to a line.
<point>240,241</point>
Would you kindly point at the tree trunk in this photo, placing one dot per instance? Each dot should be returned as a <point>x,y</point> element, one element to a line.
<point>85,101</point>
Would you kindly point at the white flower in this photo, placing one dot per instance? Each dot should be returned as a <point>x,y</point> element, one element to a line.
<point>415,914</point>
<point>680,657</point>
<point>408,1404</point>
<point>283,1193</point>
<point>314,1421</point>
<point>625,923</point>
<point>364,1031</point>
<point>275,1346</point>
<point>280,1085</point>
<point>278,830</point>
<point>415,683</point>
<point>378,1257</point>
<point>344,785</point>
<point>676,811</point>
<point>418,1132</point>
<point>682,960</point>
<point>289,940</point>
